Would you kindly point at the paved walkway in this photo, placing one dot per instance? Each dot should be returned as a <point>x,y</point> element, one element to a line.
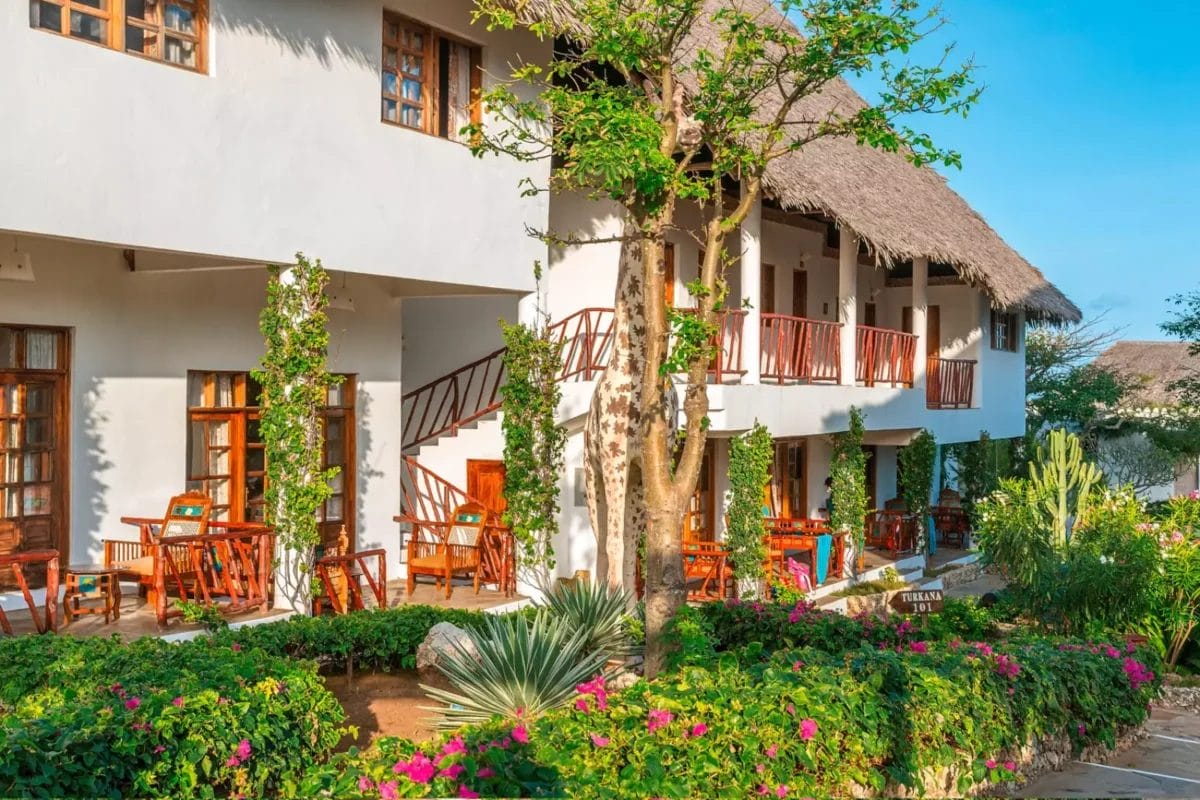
<point>1164,764</point>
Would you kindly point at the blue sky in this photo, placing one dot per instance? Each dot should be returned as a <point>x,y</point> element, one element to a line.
<point>1084,151</point>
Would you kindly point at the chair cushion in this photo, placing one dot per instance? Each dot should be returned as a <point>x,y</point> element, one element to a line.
<point>140,566</point>
<point>428,562</point>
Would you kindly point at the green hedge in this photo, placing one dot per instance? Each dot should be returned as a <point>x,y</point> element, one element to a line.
<point>802,722</point>
<point>96,717</point>
<point>379,639</point>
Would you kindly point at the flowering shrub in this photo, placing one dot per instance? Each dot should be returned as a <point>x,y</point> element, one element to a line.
<point>95,717</point>
<point>793,724</point>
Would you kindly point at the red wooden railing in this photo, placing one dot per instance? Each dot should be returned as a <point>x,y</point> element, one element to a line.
<point>950,383</point>
<point>798,349</point>
<point>885,356</point>
<point>727,360</point>
<point>428,500</point>
<point>586,338</point>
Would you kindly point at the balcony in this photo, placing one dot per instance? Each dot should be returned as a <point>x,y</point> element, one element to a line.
<point>885,357</point>
<point>950,383</point>
<point>798,349</point>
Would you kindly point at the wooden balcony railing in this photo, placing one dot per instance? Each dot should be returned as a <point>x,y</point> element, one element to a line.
<point>950,383</point>
<point>798,349</point>
<point>727,359</point>
<point>885,357</point>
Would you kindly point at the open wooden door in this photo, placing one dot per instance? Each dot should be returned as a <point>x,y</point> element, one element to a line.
<point>485,482</point>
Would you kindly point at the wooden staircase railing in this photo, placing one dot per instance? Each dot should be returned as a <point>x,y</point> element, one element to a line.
<point>426,497</point>
<point>950,383</point>
<point>799,349</point>
<point>885,357</point>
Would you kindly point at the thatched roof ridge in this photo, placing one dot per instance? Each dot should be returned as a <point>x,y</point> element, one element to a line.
<point>1151,367</point>
<point>902,212</point>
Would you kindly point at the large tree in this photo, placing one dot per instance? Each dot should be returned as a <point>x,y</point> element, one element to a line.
<point>653,104</point>
<point>1184,324</point>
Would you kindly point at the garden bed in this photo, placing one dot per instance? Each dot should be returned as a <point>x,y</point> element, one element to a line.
<point>385,704</point>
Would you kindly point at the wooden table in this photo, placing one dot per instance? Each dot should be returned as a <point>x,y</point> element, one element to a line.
<point>783,541</point>
<point>88,579</point>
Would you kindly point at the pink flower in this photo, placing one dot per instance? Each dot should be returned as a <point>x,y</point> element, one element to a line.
<point>1011,766</point>
<point>387,790</point>
<point>1081,729</point>
<point>465,791</point>
<point>232,761</point>
<point>797,666</point>
<point>598,740</point>
<point>791,709</point>
<point>772,751</point>
<point>365,784</point>
<point>244,750</point>
<point>760,768</point>
<point>158,749</point>
<point>699,729</point>
<point>658,718</point>
<point>485,772</point>
<point>808,729</point>
<point>452,771</point>
<point>581,705</point>
<point>781,790</point>
<point>419,768</point>
<point>762,789</point>
<point>919,647</point>
<point>990,763</point>
<point>132,703</point>
<point>520,735</point>
<point>177,702</point>
<point>235,647</point>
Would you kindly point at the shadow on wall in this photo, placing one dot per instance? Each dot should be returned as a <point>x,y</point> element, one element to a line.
<point>88,515</point>
<point>365,470</point>
<point>305,35</point>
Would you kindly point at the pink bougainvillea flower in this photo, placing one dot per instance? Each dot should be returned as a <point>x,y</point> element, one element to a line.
<point>132,703</point>
<point>455,745</point>
<point>781,790</point>
<point>452,771</point>
<point>797,666</point>
<point>387,790</point>
<point>990,763</point>
<point>485,772</point>
<point>699,729</point>
<point>1081,729</point>
<point>919,647</point>
<point>658,718</point>
<point>158,749</point>
<point>791,709</point>
<point>1130,648</point>
<point>598,740</point>
<point>419,769</point>
<point>808,729</point>
<point>760,768</point>
<point>519,734</point>
<point>772,751</point>
<point>177,702</point>
<point>581,705</point>
<point>244,750</point>
<point>1011,766</point>
<point>763,790</point>
<point>235,647</point>
<point>506,742</point>
<point>465,791</point>
<point>232,761</point>
<point>365,784</point>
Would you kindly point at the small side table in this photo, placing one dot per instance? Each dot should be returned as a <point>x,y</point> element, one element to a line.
<point>91,582</point>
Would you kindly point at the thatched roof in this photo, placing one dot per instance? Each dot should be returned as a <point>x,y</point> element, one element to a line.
<point>1151,367</point>
<point>901,211</point>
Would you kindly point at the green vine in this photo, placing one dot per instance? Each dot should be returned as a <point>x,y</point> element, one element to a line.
<point>848,494</point>
<point>750,457</point>
<point>534,441</point>
<point>978,471</point>
<point>916,464</point>
<point>295,383</point>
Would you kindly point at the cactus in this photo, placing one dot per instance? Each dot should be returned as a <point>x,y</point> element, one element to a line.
<point>1064,479</point>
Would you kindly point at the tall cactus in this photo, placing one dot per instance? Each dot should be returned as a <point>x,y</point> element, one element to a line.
<point>1064,478</point>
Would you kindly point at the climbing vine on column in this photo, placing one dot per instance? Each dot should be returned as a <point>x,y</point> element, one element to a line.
<point>750,457</point>
<point>533,441</point>
<point>916,465</point>
<point>848,494</point>
<point>295,384</point>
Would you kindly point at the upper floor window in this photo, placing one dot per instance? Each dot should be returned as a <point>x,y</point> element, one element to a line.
<point>431,81</point>
<point>1006,335</point>
<point>172,31</point>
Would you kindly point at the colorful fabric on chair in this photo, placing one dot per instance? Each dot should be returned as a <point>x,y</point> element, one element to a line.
<point>800,575</point>
<point>824,550</point>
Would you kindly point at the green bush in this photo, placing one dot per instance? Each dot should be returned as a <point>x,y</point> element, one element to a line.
<point>810,721</point>
<point>378,639</point>
<point>96,717</point>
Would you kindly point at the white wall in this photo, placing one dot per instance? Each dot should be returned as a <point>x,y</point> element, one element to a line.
<point>278,148</point>
<point>134,338</point>
<point>442,334</point>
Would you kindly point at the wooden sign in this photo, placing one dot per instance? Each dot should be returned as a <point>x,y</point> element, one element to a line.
<point>918,601</point>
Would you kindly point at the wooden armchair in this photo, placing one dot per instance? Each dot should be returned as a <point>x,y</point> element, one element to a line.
<point>706,570</point>
<point>894,531</point>
<point>342,573</point>
<point>444,550</point>
<point>187,515</point>
<point>952,525</point>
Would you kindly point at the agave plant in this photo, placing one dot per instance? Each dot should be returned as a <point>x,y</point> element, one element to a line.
<point>596,610</point>
<point>524,668</point>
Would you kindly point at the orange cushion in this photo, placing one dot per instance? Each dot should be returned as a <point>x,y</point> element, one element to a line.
<point>140,566</point>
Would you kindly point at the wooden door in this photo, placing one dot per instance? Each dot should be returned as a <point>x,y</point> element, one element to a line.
<point>767,290</point>
<point>790,480</point>
<point>669,275</point>
<point>698,520</point>
<point>485,482</point>
<point>869,315</point>
<point>933,328</point>
<point>799,293</point>
<point>33,466</point>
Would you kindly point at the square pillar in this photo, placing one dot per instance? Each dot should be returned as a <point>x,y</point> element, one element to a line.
<point>920,321</point>
<point>848,302</point>
<point>751,280</point>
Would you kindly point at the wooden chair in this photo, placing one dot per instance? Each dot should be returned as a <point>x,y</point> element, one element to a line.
<point>894,531</point>
<point>342,574</point>
<point>706,571</point>
<point>454,550</point>
<point>47,621</point>
<point>952,525</point>
<point>187,515</point>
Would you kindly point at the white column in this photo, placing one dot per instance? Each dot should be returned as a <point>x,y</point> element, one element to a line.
<point>752,292</point>
<point>848,302</point>
<point>920,322</point>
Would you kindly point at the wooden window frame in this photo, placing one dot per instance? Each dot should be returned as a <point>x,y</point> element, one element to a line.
<point>116,18</point>
<point>1005,331</point>
<point>431,81</point>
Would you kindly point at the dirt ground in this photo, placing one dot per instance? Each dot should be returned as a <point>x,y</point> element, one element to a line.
<point>385,704</point>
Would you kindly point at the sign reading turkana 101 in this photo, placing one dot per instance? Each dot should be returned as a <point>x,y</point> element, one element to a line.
<point>918,601</point>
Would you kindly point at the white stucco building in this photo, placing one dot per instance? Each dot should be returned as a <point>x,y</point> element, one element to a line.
<point>156,157</point>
